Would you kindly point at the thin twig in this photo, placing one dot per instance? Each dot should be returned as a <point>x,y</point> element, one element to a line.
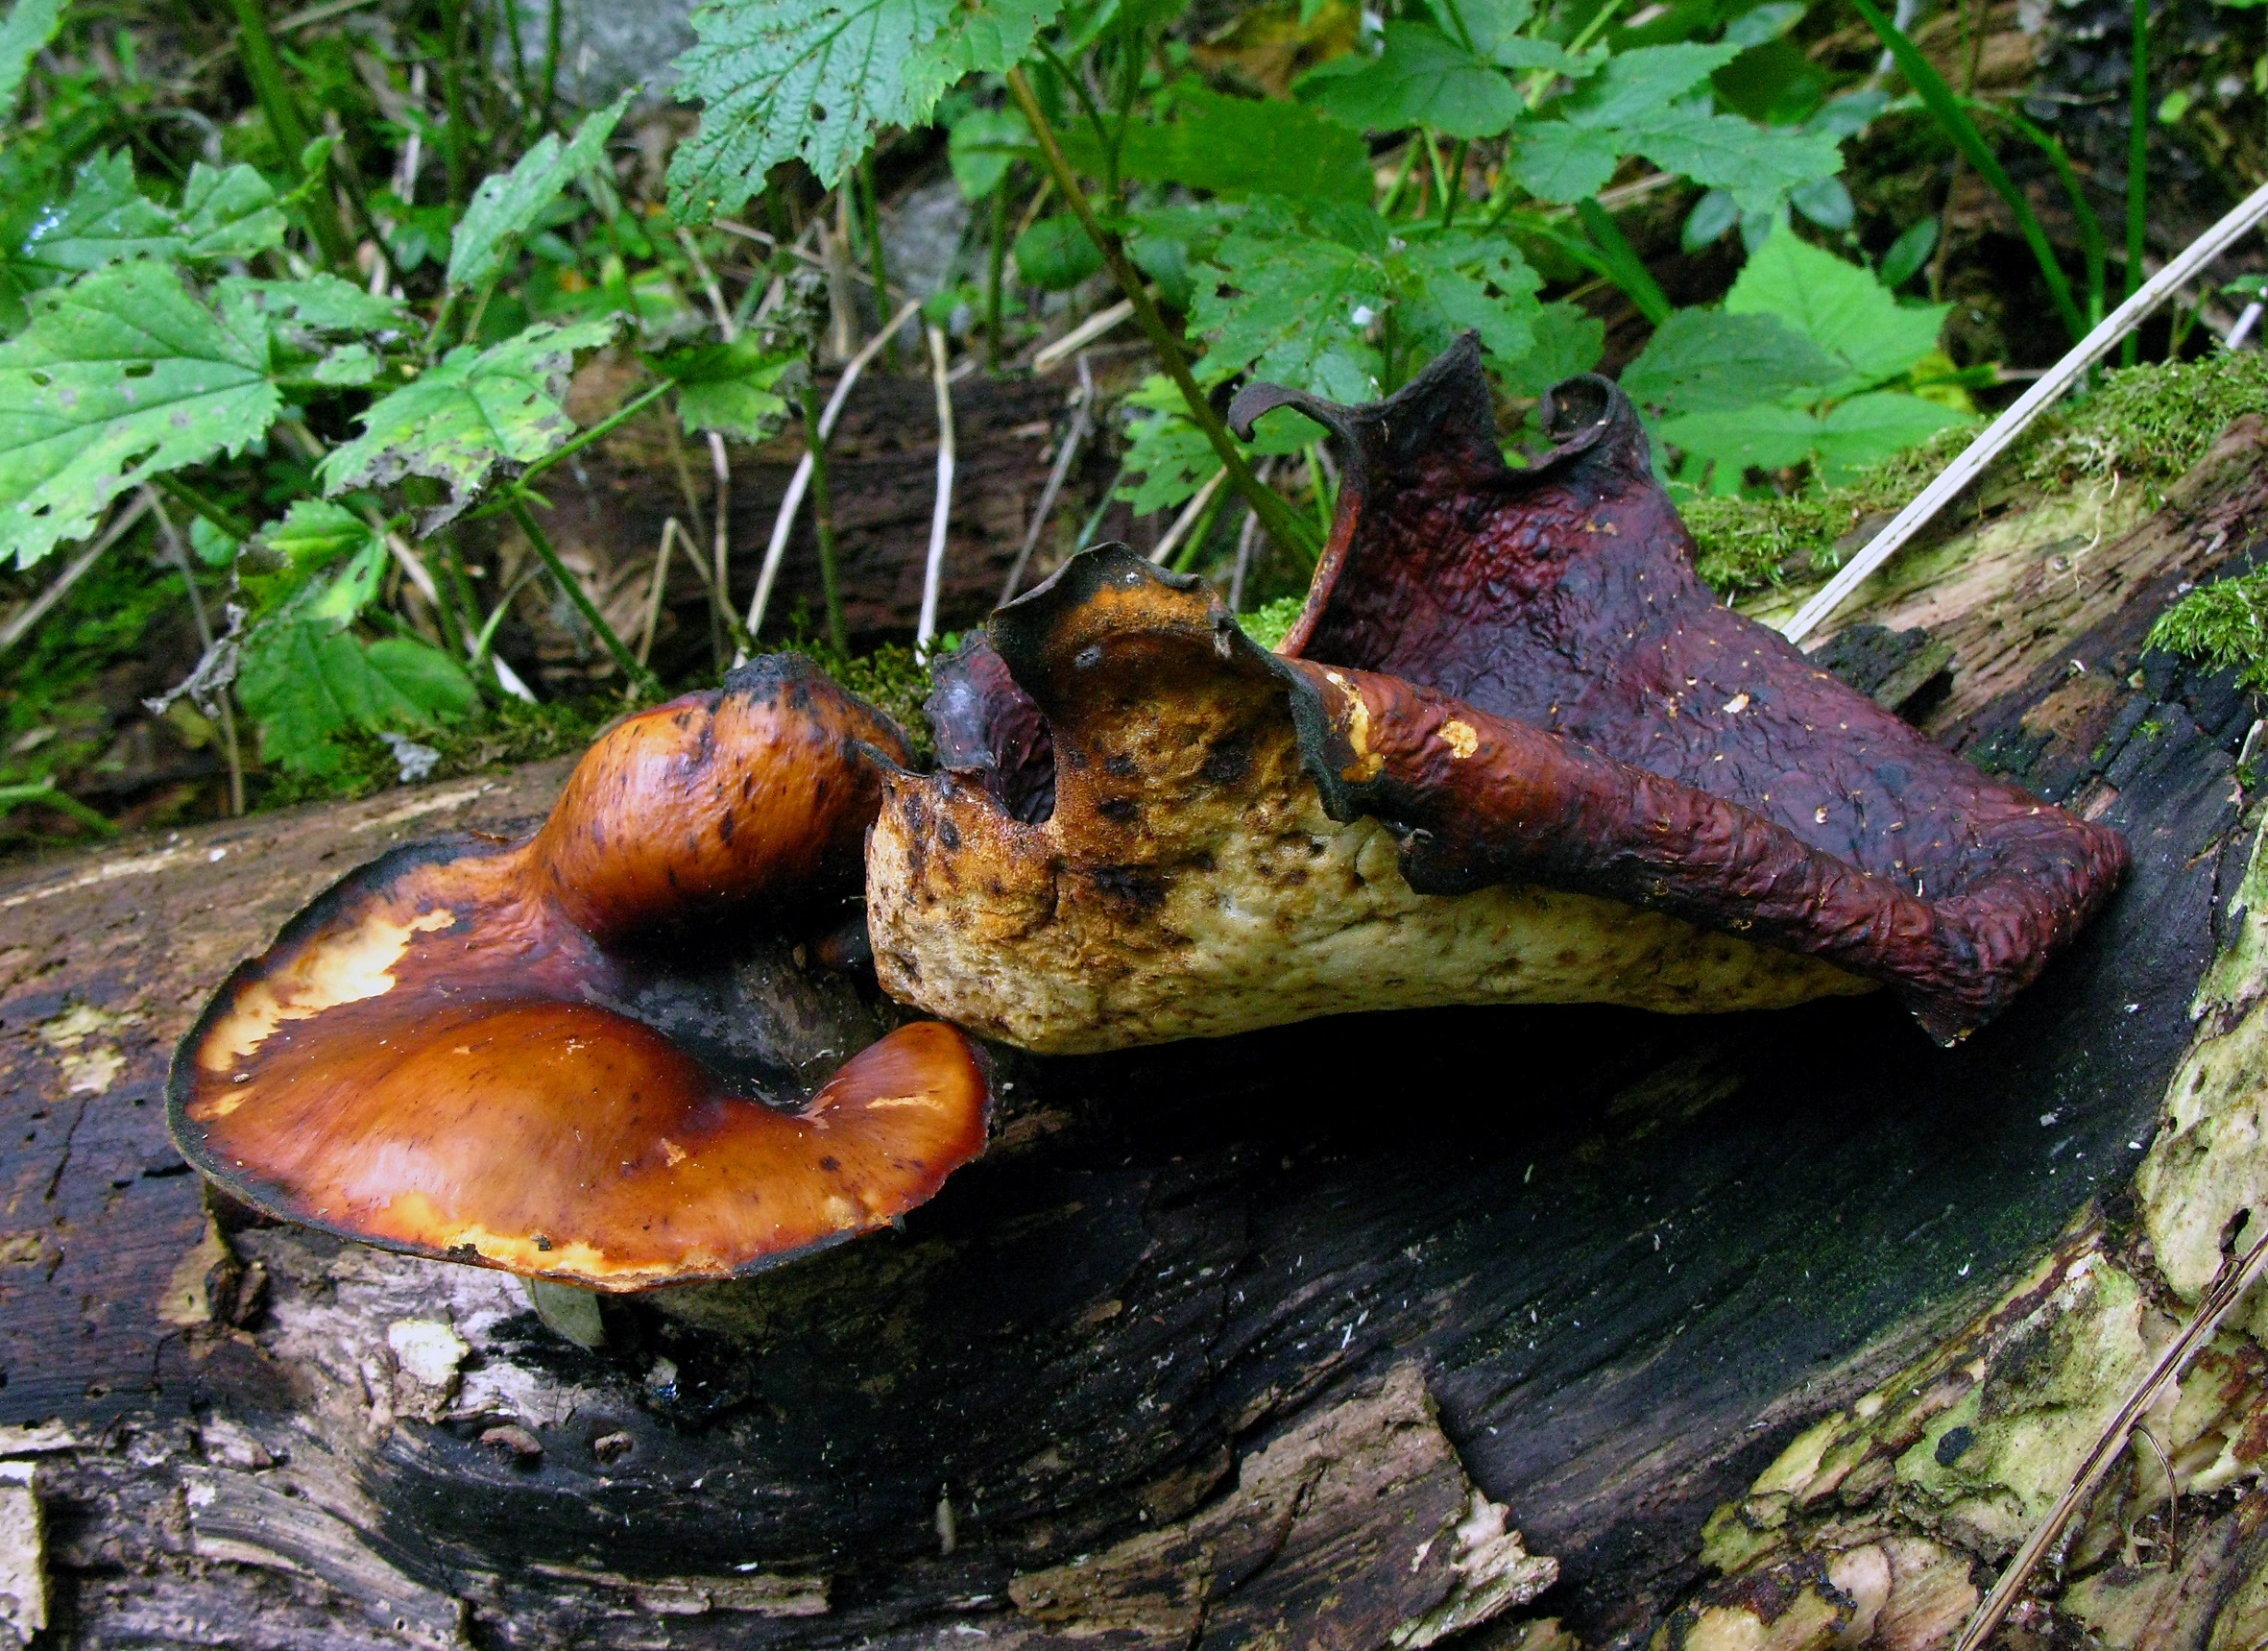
<point>933,574</point>
<point>645,643</point>
<point>44,603</point>
<point>1082,335</point>
<point>2228,1288</point>
<point>1245,536</point>
<point>800,482</point>
<point>1188,518</point>
<point>204,640</point>
<point>1082,420</point>
<point>2006,428</point>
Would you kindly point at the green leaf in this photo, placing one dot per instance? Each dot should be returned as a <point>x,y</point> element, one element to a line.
<point>1767,437</point>
<point>1422,78</point>
<point>506,206</point>
<point>1566,342</point>
<point>320,303</point>
<point>1759,164</point>
<point>286,557</point>
<point>1557,160</point>
<point>1055,255</point>
<point>305,684</point>
<point>982,36</point>
<point>731,388</point>
<point>811,80</point>
<point>1239,146</point>
<point>229,214</point>
<point>1168,457</point>
<point>1839,307</point>
<point>1292,307</point>
<point>104,219</point>
<point>981,147</point>
<point>474,410</point>
<point>30,24</point>
<point>1867,429</point>
<point>1707,361</point>
<point>120,376</point>
<point>1909,253</point>
<point>1642,83</point>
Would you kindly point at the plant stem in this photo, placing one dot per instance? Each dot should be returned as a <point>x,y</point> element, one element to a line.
<point>1086,101</point>
<point>633,672</point>
<point>875,258</point>
<point>1283,524</point>
<point>519,55</point>
<point>550,66</point>
<point>1453,190</point>
<point>173,486</point>
<point>288,126</point>
<point>598,433</point>
<point>452,97</point>
<point>2137,169</point>
<point>823,519</point>
<point>219,701</point>
<point>1624,266</point>
<point>45,793</point>
<point>997,268</point>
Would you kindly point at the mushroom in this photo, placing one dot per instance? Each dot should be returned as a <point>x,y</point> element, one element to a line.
<point>601,1053</point>
<point>1512,751</point>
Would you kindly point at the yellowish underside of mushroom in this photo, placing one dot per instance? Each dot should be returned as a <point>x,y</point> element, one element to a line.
<point>1282,915</point>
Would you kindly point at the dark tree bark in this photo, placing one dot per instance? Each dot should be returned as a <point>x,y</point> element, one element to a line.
<point>1272,1341</point>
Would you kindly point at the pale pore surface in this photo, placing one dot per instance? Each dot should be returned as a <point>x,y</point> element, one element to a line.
<point>1281,915</point>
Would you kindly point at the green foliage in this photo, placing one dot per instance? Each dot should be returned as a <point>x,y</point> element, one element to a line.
<point>508,204</point>
<point>733,388</point>
<point>811,80</point>
<point>1269,624</point>
<point>1235,147</point>
<point>1840,307</point>
<point>120,376</point>
<point>306,683</point>
<point>1054,254</point>
<point>30,24</point>
<point>1420,76</point>
<point>981,146</point>
<point>1169,458</point>
<point>477,409</point>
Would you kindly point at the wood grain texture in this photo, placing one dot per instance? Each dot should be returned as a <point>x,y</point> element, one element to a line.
<point>1630,1259</point>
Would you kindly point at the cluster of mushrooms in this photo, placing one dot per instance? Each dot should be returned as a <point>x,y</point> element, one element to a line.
<point>1514,751</point>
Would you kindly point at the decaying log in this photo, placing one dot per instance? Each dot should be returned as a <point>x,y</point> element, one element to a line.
<point>1351,1332</point>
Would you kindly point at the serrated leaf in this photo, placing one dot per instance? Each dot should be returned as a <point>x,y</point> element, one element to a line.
<point>284,558</point>
<point>507,204</point>
<point>981,146</point>
<point>104,218</point>
<point>348,366</point>
<point>305,684</point>
<point>1421,78</point>
<point>1642,82</point>
<point>320,303</point>
<point>1767,437</point>
<point>120,376</point>
<point>229,214</point>
<point>806,79</point>
<point>1555,160</point>
<point>1760,165</point>
<point>1290,310</point>
<point>1452,281</point>
<point>30,24</point>
<point>473,411</point>
<point>1239,146</point>
<point>1839,307</point>
<point>1707,361</point>
<point>1867,429</point>
<point>732,388</point>
<point>1566,342</point>
<point>1168,457</point>
<point>981,37</point>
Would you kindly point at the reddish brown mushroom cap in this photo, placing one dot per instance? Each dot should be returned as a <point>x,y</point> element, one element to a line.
<point>1517,753</point>
<point>515,1054</point>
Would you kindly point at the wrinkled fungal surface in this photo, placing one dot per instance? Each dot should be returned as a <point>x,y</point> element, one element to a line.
<point>605,1054</point>
<point>1512,751</point>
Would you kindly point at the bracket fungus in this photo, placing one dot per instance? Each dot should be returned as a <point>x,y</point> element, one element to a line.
<point>1511,751</point>
<point>555,1056</point>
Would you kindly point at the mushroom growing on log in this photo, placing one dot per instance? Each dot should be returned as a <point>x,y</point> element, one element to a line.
<point>1512,751</point>
<point>540,1056</point>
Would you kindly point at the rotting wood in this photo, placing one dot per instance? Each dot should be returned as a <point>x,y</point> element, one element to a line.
<point>1632,1258</point>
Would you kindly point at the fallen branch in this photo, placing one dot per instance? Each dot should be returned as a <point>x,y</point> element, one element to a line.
<point>933,574</point>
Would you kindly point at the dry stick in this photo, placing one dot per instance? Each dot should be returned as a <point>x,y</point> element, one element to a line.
<point>932,576</point>
<point>1081,335</point>
<point>1275,515</point>
<point>204,639</point>
<point>800,482</point>
<point>2228,1288</point>
<point>1188,518</point>
<point>646,643</point>
<point>1082,420</point>
<point>44,603</point>
<point>2010,425</point>
<point>1245,535</point>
